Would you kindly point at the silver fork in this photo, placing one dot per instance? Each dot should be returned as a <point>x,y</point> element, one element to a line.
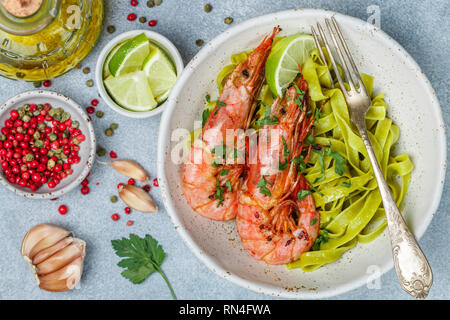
<point>413,269</point>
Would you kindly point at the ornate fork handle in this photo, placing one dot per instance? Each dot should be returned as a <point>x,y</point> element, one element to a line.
<point>413,270</point>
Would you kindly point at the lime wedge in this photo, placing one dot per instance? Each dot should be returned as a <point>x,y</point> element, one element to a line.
<point>106,72</point>
<point>160,72</point>
<point>130,56</point>
<point>132,91</point>
<point>283,63</point>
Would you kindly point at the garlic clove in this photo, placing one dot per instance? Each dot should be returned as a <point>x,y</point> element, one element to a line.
<point>46,253</point>
<point>137,199</point>
<point>129,169</point>
<point>41,237</point>
<point>61,258</point>
<point>63,279</point>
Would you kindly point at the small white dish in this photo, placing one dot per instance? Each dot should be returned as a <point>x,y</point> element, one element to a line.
<point>87,147</point>
<point>162,42</point>
<point>422,136</point>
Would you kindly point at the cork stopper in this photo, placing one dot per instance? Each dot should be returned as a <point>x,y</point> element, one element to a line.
<point>21,8</point>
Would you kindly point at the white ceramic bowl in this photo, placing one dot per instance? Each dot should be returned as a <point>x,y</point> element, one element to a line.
<point>87,147</point>
<point>162,42</point>
<point>422,136</point>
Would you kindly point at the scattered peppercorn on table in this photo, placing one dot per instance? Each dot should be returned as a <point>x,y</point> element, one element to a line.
<point>94,210</point>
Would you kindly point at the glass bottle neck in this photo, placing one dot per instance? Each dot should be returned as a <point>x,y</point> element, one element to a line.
<point>30,24</point>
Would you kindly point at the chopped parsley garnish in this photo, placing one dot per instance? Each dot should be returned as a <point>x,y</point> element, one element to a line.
<point>339,167</point>
<point>346,184</point>
<point>267,120</point>
<point>219,104</point>
<point>219,194</point>
<point>224,172</point>
<point>208,98</point>
<point>302,194</point>
<point>205,116</point>
<point>317,114</point>
<point>262,185</point>
<point>299,161</point>
<point>283,166</point>
<point>228,185</point>
<point>313,222</point>
<point>322,238</point>
<point>285,147</point>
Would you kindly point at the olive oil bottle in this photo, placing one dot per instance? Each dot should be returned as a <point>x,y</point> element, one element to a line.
<point>43,39</point>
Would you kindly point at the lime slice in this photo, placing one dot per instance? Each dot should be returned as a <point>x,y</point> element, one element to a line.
<point>283,63</point>
<point>160,72</point>
<point>132,91</point>
<point>130,56</point>
<point>106,72</point>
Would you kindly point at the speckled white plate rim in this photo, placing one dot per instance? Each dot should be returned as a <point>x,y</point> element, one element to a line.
<point>164,139</point>
<point>66,101</point>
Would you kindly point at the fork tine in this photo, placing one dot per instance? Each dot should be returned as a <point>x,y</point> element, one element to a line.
<point>333,62</point>
<point>347,51</point>
<point>341,56</point>
<point>322,55</point>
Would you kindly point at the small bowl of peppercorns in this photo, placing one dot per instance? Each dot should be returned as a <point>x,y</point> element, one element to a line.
<point>47,144</point>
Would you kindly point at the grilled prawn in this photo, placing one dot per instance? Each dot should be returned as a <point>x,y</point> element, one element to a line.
<point>277,218</point>
<point>211,185</point>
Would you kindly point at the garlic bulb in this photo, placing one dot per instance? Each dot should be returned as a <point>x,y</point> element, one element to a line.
<point>136,198</point>
<point>129,169</point>
<point>54,256</point>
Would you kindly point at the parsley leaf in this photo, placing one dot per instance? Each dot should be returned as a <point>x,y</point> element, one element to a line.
<point>219,194</point>
<point>224,172</point>
<point>322,238</point>
<point>313,222</point>
<point>142,257</point>
<point>228,185</point>
<point>208,98</point>
<point>262,186</point>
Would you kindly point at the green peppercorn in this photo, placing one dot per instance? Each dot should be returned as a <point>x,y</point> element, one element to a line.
<point>63,156</point>
<point>29,157</point>
<point>38,143</point>
<point>75,141</point>
<point>78,66</point>
<point>2,137</point>
<point>100,114</point>
<point>57,117</point>
<point>51,112</point>
<point>52,137</point>
<point>37,84</point>
<point>158,2</point>
<point>199,42</point>
<point>111,29</point>
<point>58,151</point>
<point>150,3</point>
<point>142,19</point>
<point>114,126</point>
<point>86,70</point>
<point>109,132</point>
<point>20,129</point>
<point>113,199</point>
<point>65,116</point>
<point>60,162</point>
<point>50,153</point>
<point>60,111</point>
<point>101,151</point>
<point>228,20</point>
<point>207,8</point>
<point>41,126</point>
<point>75,124</point>
<point>26,107</point>
<point>90,83</point>
<point>21,112</point>
<point>51,163</point>
<point>65,134</point>
<point>26,118</point>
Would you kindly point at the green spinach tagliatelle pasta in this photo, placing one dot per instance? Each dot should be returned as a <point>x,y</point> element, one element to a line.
<point>344,187</point>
